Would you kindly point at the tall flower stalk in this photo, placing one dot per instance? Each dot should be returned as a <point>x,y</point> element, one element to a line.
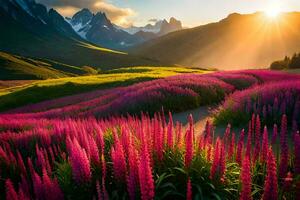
<point>246,180</point>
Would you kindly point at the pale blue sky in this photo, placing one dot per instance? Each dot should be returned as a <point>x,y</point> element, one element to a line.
<point>190,12</point>
<point>195,12</point>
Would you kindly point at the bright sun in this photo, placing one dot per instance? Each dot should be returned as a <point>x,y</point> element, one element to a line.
<point>273,11</point>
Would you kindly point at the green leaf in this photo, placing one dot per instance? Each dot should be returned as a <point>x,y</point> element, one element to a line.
<point>170,185</point>
<point>200,194</point>
<point>161,178</point>
<point>216,196</point>
<point>180,170</point>
<point>211,186</point>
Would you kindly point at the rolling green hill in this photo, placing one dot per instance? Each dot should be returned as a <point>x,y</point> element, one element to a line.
<point>238,41</point>
<point>14,67</point>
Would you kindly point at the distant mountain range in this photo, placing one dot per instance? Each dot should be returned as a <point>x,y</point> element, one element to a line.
<point>98,29</point>
<point>238,41</point>
<point>161,27</point>
<point>30,29</point>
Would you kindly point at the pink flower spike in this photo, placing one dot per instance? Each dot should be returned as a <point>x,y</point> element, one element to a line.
<point>11,193</point>
<point>271,187</point>
<point>189,194</point>
<point>265,145</point>
<point>188,148</point>
<point>246,180</point>
<point>240,146</point>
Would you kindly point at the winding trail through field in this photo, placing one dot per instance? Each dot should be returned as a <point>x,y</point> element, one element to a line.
<point>200,116</point>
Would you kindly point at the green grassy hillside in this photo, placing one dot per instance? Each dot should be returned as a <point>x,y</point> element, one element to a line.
<point>14,67</point>
<point>38,91</point>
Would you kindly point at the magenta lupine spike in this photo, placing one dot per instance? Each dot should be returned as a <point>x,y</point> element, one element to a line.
<point>132,178</point>
<point>80,163</point>
<point>159,140</point>
<point>246,180</point>
<point>56,190</point>
<point>37,186</point>
<point>231,148</point>
<point>208,133</point>
<point>188,148</point>
<point>40,162</point>
<point>216,159</point>
<point>227,135</point>
<point>240,146</point>
<point>145,175</point>
<point>11,193</point>
<point>24,186</point>
<point>265,145</point>
<point>200,142</point>
<point>48,166</point>
<point>51,188</point>
<point>51,155</point>
<point>257,127</point>
<point>170,131</point>
<point>284,153</point>
<point>271,184</point>
<point>118,159</point>
<point>222,163</point>
<point>189,193</point>
<point>22,195</point>
<point>275,134</point>
<point>257,139</point>
<point>12,158</point>
<point>253,123</point>
<point>30,165</point>
<point>297,153</point>
<point>4,156</point>
<point>191,126</point>
<point>249,142</point>
<point>21,164</point>
<point>94,152</point>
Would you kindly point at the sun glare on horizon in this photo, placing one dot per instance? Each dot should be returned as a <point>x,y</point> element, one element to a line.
<point>274,10</point>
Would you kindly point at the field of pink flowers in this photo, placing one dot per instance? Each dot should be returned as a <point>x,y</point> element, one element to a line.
<point>270,101</point>
<point>147,158</point>
<point>176,94</point>
<point>151,96</point>
<point>88,149</point>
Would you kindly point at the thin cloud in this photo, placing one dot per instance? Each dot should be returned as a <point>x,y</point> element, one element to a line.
<point>120,16</point>
<point>153,20</point>
<point>117,15</point>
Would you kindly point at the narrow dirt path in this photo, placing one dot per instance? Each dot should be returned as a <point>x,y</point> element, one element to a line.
<point>200,116</point>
